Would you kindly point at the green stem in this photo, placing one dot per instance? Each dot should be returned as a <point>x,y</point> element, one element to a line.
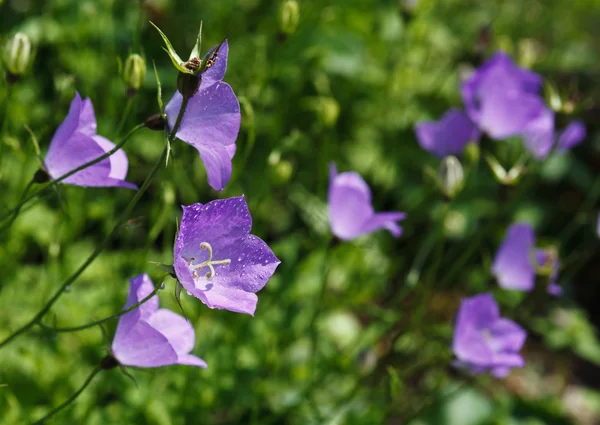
<point>126,113</point>
<point>106,319</point>
<point>320,303</point>
<point>54,182</point>
<point>20,205</point>
<point>122,219</point>
<point>591,198</point>
<point>70,399</point>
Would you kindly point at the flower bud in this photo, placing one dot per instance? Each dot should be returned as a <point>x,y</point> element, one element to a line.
<point>134,72</point>
<point>451,176</point>
<point>289,15</point>
<point>17,54</point>
<point>510,177</point>
<point>155,122</point>
<point>187,84</point>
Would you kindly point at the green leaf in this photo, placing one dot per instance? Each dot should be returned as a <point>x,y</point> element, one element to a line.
<point>171,52</point>
<point>196,50</point>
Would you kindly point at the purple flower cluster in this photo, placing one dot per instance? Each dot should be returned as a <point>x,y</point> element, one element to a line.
<point>501,100</point>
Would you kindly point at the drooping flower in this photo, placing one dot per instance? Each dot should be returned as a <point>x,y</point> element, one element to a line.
<point>217,259</point>
<point>350,211</point>
<point>449,135</point>
<point>211,121</point>
<point>150,337</point>
<point>496,77</point>
<point>75,143</point>
<point>504,100</point>
<point>485,342</point>
<point>517,261</point>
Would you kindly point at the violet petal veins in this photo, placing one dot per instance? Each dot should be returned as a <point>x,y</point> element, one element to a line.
<point>485,342</point>
<point>152,337</point>
<point>211,121</point>
<point>350,211</point>
<point>217,260</point>
<point>75,143</point>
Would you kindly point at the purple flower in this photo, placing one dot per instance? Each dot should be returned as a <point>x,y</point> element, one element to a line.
<point>484,341</point>
<point>217,259</point>
<point>449,135</point>
<point>152,337</point>
<point>497,76</point>
<point>211,121</point>
<point>75,143</point>
<point>517,261</point>
<point>572,135</point>
<point>350,210</point>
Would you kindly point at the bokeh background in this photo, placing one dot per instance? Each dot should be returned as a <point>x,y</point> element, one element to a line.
<point>348,85</point>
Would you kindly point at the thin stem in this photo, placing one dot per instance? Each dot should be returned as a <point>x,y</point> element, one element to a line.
<point>126,113</point>
<point>591,198</point>
<point>122,219</point>
<point>101,321</point>
<point>320,303</point>
<point>54,182</point>
<point>70,399</point>
<point>20,205</point>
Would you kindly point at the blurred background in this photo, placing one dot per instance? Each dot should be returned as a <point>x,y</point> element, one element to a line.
<point>346,83</point>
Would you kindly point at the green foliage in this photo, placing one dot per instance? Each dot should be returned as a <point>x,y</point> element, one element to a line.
<point>347,85</point>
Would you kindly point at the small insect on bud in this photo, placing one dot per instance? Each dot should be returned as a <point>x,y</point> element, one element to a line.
<point>451,176</point>
<point>17,55</point>
<point>289,15</point>
<point>134,72</point>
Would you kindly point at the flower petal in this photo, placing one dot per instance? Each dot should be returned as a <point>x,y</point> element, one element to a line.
<point>216,72</point>
<point>572,135</point>
<point>222,221</point>
<point>66,128</point>
<point>349,205</point>
<point>539,134</point>
<point>87,118</point>
<point>506,114</point>
<point>507,336</point>
<point>386,220</point>
<point>140,287</point>
<point>513,264</point>
<point>143,346</point>
<point>447,136</point>
<point>217,160</point>
<point>178,331</point>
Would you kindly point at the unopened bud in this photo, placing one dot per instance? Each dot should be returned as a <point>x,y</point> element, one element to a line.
<point>289,15</point>
<point>451,176</point>
<point>134,72</point>
<point>510,177</point>
<point>155,122</point>
<point>17,55</point>
<point>188,84</point>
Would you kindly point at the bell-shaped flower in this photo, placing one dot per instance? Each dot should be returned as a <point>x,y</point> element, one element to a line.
<point>517,261</point>
<point>150,337</point>
<point>211,120</point>
<point>497,76</point>
<point>217,259</point>
<point>485,342</point>
<point>75,143</point>
<point>449,135</point>
<point>350,211</point>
